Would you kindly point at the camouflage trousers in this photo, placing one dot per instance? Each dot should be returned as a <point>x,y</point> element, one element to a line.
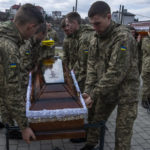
<point>126,114</point>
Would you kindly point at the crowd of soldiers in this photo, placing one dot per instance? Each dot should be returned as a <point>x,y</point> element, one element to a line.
<point>105,57</point>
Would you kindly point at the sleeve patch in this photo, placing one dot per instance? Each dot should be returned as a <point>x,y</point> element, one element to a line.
<point>13,65</point>
<point>27,52</point>
<point>86,50</point>
<point>123,48</point>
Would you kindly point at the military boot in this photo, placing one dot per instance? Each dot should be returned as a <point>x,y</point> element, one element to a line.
<point>1,125</point>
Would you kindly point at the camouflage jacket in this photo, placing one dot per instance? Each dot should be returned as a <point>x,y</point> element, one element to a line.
<point>30,57</point>
<point>146,66</point>
<point>12,100</point>
<point>52,34</point>
<point>49,51</point>
<point>76,52</point>
<point>69,51</point>
<point>65,51</point>
<point>112,71</point>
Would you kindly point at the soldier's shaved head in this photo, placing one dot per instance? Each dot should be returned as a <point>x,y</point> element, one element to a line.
<point>74,16</point>
<point>28,13</point>
<point>99,8</point>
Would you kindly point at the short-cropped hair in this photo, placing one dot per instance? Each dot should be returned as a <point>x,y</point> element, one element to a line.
<point>99,8</point>
<point>28,13</point>
<point>63,24</point>
<point>74,16</point>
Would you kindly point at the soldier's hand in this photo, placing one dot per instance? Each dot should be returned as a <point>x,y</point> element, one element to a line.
<point>90,104</point>
<point>85,95</point>
<point>27,133</point>
<point>88,100</point>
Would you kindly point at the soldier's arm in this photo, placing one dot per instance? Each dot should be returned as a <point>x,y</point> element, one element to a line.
<point>118,65</point>
<point>1,78</point>
<point>56,39</point>
<point>84,43</point>
<point>13,100</point>
<point>91,75</point>
<point>76,69</point>
<point>146,66</point>
<point>146,53</point>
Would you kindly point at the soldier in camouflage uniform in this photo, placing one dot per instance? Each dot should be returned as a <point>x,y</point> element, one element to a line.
<point>12,34</point>
<point>49,51</point>
<point>31,52</point>
<point>138,42</point>
<point>146,71</point>
<point>52,34</point>
<point>75,48</point>
<point>66,42</point>
<point>112,77</point>
<point>69,52</point>
<point>77,51</point>
<point>67,62</point>
<point>64,27</point>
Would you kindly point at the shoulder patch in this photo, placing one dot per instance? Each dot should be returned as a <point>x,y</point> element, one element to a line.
<point>86,50</point>
<point>123,48</point>
<point>27,52</point>
<point>13,65</point>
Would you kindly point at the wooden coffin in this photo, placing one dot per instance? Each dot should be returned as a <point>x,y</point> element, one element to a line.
<point>55,110</point>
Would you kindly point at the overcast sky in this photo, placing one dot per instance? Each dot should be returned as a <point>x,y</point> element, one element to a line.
<point>139,7</point>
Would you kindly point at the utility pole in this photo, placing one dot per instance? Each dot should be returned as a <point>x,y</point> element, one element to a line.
<point>76,5</point>
<point>119,14</point>
<point>73,9</point>
<point>122,12</point>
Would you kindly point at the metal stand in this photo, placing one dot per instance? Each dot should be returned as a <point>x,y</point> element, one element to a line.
<point>8,130</point>
<point>7,138</point>
<point>100,125</point>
